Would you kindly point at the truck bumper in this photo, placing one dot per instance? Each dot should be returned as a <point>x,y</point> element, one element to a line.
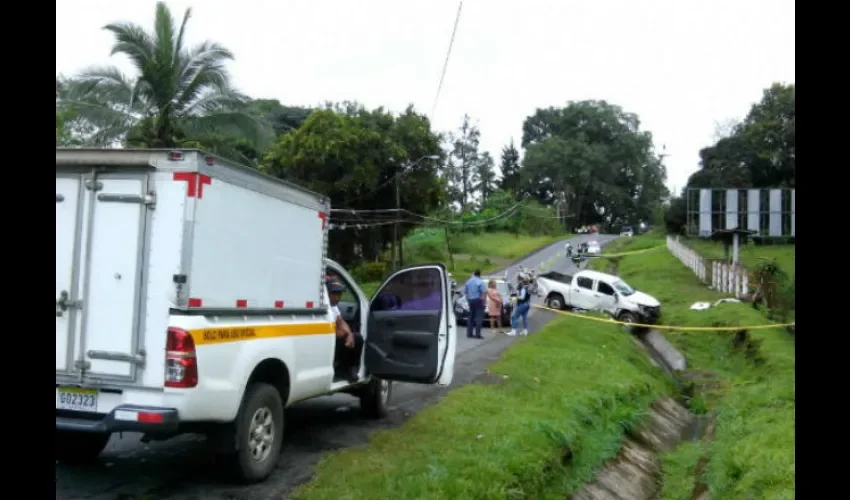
<point>124,418</point>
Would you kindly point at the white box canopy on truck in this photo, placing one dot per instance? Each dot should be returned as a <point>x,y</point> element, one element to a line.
<point>144,234</point>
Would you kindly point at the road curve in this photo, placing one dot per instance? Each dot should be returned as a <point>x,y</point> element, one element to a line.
<point>184,468</point>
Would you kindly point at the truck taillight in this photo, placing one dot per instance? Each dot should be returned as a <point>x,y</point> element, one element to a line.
<point>181,365</point>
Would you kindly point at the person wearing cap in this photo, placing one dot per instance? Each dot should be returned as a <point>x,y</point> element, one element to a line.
<point>348,343</point>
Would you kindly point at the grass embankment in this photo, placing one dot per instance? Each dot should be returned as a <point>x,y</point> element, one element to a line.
<point>749,254</point>
<point>753,394</point>
<point>575,385</point>
<point>488,252</point>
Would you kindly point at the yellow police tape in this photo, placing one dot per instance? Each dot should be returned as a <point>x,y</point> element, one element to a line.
<point>645,250</point>
<point>669,327</point>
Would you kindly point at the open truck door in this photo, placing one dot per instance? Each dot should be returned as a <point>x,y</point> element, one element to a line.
<point>410,334</point>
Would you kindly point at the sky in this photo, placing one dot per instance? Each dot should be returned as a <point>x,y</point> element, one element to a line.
<point>683,66</point>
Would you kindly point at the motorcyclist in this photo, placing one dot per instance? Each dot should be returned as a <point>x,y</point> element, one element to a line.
<point>568,249</point>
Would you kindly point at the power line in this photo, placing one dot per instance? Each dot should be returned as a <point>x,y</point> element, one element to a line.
<point>360,224</point>
<point>446,63</point>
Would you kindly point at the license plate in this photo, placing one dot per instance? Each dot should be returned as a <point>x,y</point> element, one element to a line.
<point>76,398</point>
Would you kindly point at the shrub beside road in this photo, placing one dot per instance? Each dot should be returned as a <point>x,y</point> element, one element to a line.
<point>749,385</point>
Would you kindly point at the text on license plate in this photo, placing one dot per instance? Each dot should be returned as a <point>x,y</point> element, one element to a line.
<point>76,398</point>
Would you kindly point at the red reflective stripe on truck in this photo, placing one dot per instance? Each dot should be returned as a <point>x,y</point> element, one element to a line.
<point>278,304</point>
<point>241,303</point>
<point>195,183</point>
<point>195,302</point>
<point>324,217</point>
<point>150,418</point>
<point>309,304</point>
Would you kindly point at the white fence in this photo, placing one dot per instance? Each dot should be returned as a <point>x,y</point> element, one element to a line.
<point>724,278</point>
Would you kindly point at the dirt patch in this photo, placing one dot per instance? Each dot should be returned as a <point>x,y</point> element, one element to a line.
<point>743,341</point>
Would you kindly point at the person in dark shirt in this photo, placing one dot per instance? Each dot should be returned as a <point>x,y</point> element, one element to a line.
<point>349,344</point>
<point>523,305</point>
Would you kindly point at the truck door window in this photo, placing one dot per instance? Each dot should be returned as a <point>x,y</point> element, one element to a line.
<point>415,290</point>
<point>605,288</point>
<point>348,294</point>
<point>584,282</point>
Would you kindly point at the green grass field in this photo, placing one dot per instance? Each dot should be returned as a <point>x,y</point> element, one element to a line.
<point>749,253</point>
<point>752,455</point>
<point>488,252</point>
<point>575,385</point>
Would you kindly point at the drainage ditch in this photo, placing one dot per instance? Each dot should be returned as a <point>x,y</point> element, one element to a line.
<point>636,472</point>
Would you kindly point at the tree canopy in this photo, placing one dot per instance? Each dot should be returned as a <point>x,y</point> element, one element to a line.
<point>587,162</point>
<point>594,156</point>
<point>759,152</point>
<point>180,96</point>
<point>354,155</point>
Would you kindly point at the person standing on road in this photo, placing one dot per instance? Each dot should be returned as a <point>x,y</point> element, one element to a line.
<point>494,306</point>
<point>523,304</point>
<point>474,290</point>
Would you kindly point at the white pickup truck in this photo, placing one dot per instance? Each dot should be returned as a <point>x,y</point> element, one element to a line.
<point>191,297</point>
<point>596,291</point>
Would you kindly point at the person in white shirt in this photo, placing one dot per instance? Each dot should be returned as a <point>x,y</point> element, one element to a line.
<point>348,343</point>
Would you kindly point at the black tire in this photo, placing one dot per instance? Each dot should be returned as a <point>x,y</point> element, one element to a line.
<point>73,447</point>
<point>628,317</point>
<point>260,419</point>
<point>555,301</point>
<point>375,398</point>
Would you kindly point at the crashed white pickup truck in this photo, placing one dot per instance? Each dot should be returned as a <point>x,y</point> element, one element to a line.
<point>596,291</point>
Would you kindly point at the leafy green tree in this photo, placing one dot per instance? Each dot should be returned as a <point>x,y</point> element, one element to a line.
<point>279,117</point>
<point>462,162</point>
<point>354,156</point>
<point>509,166</point>
<point>486,175</point>
<point>594,157</point>
<point>180,95</point>
<point>760,152</point>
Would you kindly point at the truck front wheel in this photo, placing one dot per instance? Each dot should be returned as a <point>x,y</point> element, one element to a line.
<point>375,398</point>
<point>74,447</point>
<point>259,431</point>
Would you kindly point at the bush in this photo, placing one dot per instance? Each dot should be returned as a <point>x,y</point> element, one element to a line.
<point>370,271</point>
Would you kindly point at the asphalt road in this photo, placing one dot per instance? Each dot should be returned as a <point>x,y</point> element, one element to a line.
<point>183,468</point>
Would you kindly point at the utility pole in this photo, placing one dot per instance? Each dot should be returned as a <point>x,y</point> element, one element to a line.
<point>398,260</point>
<point>398,251</point>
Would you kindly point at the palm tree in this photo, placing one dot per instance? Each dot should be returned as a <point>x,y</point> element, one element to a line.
<point>180,97</point>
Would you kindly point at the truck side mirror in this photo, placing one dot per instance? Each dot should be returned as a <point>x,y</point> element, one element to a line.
<point>616,297</point>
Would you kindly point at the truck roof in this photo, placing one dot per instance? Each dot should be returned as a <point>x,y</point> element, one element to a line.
<point>157,158</point>
<point>597,275</point>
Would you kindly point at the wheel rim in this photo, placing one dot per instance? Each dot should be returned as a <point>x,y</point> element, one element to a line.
<point>554,303</point>
<point>384,391</point>
<point>261,434</point>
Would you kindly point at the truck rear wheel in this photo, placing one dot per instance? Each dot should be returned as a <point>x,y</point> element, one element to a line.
<point>375,398</point>
<point>259,433</point>
<point>73,447</point>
